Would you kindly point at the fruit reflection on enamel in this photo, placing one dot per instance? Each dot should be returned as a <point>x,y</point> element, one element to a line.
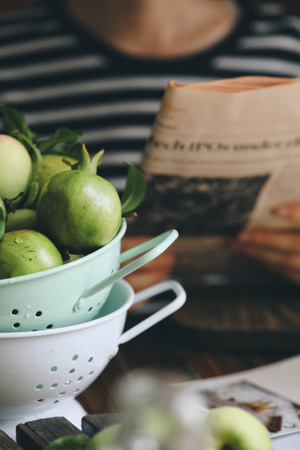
<point>15,167</point>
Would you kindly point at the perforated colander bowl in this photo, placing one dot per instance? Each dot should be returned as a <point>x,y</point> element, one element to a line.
<point>75,292</point>
<point>42,370</point>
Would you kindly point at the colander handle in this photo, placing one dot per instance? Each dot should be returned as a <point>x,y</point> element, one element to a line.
<point>149,250</point>
<point>159,315</point>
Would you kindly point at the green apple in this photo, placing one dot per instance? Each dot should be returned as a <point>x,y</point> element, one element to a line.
<point>104,438</point>
<point>15,167</point>
<point>232,428</point>
<point>24,252</point>
<point>79,210</point>
<point>21,219</point>
<point>51,165</point>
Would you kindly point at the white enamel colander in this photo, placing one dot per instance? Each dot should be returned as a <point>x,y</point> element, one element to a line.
<point>41,372</point>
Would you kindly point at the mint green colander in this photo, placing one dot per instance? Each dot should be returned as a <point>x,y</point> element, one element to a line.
<point>75,292</point>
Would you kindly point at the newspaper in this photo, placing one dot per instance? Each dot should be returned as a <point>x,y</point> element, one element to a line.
<point>268,392</point>
<point>221,155</point>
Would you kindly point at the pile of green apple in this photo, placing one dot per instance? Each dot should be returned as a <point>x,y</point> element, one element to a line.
<point>53,203</point>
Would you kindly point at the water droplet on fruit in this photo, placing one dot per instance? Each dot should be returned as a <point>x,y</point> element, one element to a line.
<point>18,240</point>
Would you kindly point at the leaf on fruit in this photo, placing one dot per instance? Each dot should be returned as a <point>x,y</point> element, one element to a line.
<point>62,142</point>
<point>135,189</point>
<point>14,120</point>
<point>2,224</point>
<point>31,195</point>
<point>35,154</point>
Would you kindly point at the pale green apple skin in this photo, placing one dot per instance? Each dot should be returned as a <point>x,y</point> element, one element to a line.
<point>51,165</point>
<point>23,252</point>
<point>79,211</point>
<point>21,219</point>
<point>233,428</point>
<point>104,438</point>
<point>15,167</point>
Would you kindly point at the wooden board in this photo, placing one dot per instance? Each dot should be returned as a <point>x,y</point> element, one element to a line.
<point>37,434</point>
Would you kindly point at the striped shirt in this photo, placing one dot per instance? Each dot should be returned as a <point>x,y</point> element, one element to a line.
<point>57,74</point>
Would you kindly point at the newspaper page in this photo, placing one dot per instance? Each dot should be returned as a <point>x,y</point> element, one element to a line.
<point>268,392</point>
<point>220,157</point>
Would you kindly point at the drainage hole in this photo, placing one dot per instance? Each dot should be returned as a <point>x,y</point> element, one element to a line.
<point>79,379</point>
<point>39,386</point>
<point>16,325</point>
<point>53,369</point>
<point>67,383</point>
<point>53,386</point>
<point>91,373</point>
<point>90,309</point>
<point>75,357</point>
<point>40,400</point>
<point>38,313</point>
<point>72,371</point>
<point>62,393</point>
<point>49,326</point>
<point>91,359</point>
<point>15,312</point>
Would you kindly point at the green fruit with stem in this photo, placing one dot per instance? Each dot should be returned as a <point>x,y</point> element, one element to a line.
<point>24,252</point>
<point>51,165</point>
<point>79,210</point>
<point>15,167</point>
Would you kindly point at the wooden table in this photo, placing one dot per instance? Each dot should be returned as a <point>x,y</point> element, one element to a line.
<point>237,329</point>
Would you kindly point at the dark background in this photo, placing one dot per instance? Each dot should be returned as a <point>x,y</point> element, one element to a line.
<point>294,5</point>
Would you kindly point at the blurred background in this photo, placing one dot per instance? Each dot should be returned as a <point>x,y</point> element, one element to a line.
<point>294,5</point>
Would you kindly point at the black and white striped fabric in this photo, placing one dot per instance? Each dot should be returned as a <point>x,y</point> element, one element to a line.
<point>58,75</point>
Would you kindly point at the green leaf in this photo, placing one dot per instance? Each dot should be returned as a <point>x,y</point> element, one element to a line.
<point>2,224</point>
<point>135,189</point>
<point>32,194</point>
<point>61,137</point>
<point>33,151</point>
<point>14,120</point>
<point>62,149</point>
